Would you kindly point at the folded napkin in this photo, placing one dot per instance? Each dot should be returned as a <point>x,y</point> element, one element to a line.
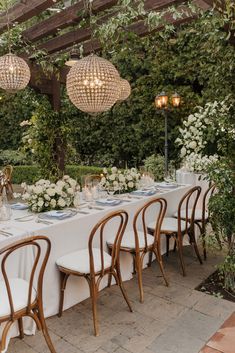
<point>57,214</point>
<point>167,185</point>
<point>19,206</point>
<point>143,192</point>
<point>106,202</point>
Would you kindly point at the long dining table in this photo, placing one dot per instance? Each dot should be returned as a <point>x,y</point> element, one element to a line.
<point>69,235</point>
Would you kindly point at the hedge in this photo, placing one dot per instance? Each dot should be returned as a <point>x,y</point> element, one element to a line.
<point>31,173</point>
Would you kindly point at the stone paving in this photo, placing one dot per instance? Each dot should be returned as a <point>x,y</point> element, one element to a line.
<point>177,319</point>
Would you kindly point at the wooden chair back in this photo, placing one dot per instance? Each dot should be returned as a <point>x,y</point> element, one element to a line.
<point>90,179</point>
<point>37,269</point>
<point>141,215</point>
<point>208,193</point>
<point>7,170</point>
<point>189,200</point>
<point>121,217</point>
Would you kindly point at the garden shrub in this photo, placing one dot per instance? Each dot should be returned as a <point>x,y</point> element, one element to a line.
<point>31,173</point>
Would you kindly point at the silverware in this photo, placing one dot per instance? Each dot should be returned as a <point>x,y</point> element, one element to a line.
<point>43,221</point>
<point>95,207</point>
<point>7,234</point>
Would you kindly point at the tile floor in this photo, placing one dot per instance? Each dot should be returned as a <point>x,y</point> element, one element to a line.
<point>177,319</point>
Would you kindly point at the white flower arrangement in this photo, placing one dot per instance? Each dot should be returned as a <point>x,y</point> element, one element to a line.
<point>45,196</point>
<point>198,128</point>
<point>118,180</point>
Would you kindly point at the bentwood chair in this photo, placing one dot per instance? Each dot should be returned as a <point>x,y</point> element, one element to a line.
<point>202,216</point>
<point>6,180</point>
<point>178,227</point>
<point>92,179</point>
<point>139,243</point>
<point>94,263</point>
<point>20,298</point>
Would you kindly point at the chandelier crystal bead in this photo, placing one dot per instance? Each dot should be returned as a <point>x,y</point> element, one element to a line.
<point>125,90</point>
<point>93,84</point>
<point>14,73</point>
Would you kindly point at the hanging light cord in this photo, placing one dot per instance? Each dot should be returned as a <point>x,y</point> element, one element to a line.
<point>8,26</point>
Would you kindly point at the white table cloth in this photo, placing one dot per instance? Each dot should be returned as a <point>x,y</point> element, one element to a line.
<point>67,236</point>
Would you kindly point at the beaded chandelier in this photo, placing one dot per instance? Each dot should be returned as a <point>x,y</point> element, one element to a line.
<point>14,73</point>
<point>125,90</point>
<point>93,84</point>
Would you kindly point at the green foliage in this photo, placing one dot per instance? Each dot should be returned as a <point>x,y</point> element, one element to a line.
<point>14,109</point>
<point>25,173</point>
<point>12,157</point>
<point>222,215</point>
<point>78,172</point>
<point>31,173</point>
<point>155,165</point>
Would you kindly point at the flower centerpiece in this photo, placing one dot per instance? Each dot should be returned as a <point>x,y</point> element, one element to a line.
<point>45,196</point>
<point>120,181</point>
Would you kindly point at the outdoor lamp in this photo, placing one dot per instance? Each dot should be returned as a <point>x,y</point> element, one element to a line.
<point>73,58</point>
<point>175,99</point>
<point>158,102</point>
<point>164,99</point>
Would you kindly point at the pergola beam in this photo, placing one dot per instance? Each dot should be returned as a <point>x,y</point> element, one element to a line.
<point>82,34</point>
<point>65,18</point>
<point>24,10</point>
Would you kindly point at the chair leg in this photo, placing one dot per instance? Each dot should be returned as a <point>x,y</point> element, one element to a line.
<point>4,335</point>
<point>119,277</point>
<point>139,268</point>
<point>134,264</point>
<point>180,251</point>
<point>94,295</point>
<point>63,280</point>
<point>150,258</point>
<point>194,243</point>
<point>45,330</point>
<point>21,329</point>
<point>158,255</point>
<point>167,245</point>
<point>110,274</point>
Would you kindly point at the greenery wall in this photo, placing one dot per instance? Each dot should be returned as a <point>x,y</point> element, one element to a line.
<point>197,61</point>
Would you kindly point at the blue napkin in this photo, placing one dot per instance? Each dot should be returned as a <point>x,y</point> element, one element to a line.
<point>106,202</point>
<point>19,206</point>
<point>143,192</point>
<point>57,214</point>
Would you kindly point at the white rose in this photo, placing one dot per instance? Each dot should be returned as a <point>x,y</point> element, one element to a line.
<point>51,192</point>
<point>61,202</point>
<point>183,152</point>
<point>114,170</point>
<point>115,183</point>
<point>58,190</point>
<point>40,203</point>
<point>53,203</point>
<point>70,191</point>
<point>26,196</point>
<point>192,144</point>
<point>112,177</point>
<point>60,183</point>
<point>121,178</point>
<point>66,177</point>
<point>38,189</point>
<point>129,177</point>
<point>130,184</point>
<point>47,197</point>
<point>105,171</point>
